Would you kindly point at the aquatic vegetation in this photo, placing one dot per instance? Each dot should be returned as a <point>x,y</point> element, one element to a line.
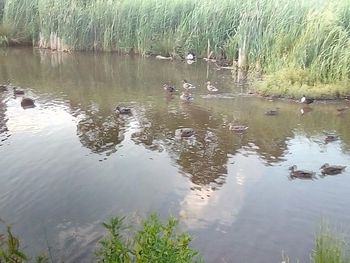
<point>329,247</point>
<point>308,37</point>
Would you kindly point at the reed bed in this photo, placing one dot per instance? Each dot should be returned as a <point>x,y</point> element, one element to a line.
<point>262,35</point>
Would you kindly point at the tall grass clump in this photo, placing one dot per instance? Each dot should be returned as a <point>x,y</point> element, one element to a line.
<point>269,36</point>
<point>329,247</point>
<point>153,242</point>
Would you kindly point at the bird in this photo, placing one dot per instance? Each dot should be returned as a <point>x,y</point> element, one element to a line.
<point>238,128</point>
<point>331,138</point>
<point>187,132</point>
<point>306,100</point>
<point>169,88</point>
<point>272,112</point>
<point>190,56</point>
<point>294,173</point>
<point>123,110</point>
<point>186,85</point>
<point>3,87</point>
<point>211,88</point>
<point>332,169</point>
<point>27,103</point>
<point>17,91</point>
<point>186,96</point>
<point>343,109</point>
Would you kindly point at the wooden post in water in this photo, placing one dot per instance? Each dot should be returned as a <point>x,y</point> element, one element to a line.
<point>242,61</point>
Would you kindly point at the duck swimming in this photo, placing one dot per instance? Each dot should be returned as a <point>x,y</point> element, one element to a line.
<point>306,100</point>
<point>186,85</point>
<point>294,173</point>
<point>211,88</point>
<point>17,91</point>
<point>123,110</point>
<point>186,96</point>
<point>169,88</point>
<point>27,103</point>
<point>332,169</point>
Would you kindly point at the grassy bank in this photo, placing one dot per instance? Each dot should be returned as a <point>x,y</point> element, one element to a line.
<point>311,38</point>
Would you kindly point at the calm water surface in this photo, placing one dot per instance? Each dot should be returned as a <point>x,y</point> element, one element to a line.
<point>71,162</point>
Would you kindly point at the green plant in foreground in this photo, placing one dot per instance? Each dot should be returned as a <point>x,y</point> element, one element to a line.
<point>329,247</point>
<point>10,251</point>
<point>153,242</point>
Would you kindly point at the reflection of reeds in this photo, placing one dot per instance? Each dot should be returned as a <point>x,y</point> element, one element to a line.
<point>265,34</point>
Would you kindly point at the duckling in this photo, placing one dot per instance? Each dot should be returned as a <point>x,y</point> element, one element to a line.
<point>306,100</point>
<point>123,110</point>
<point>186,96</point>
<point>300,173</point>
<point>332,169</point>
<point>169,88</point>
<point>17,92</point>
<point>187,132</point>
<point>211,88</point>
<point>186,85</point>
<point>27,103</point>
<point>238,128</point>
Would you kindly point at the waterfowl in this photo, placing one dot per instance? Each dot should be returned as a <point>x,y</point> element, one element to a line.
<point>306,100</point>
<point>27,103</point>
<point>169,88</point>
<point>123,110</point>
<point>186,85</point>
<point>331,138</point>
<point>211,88</point>
<point>17,92</point>
<point>341,110</point>
<point>3,88</point>
<point>272,112</point>
<point>186,96</point>
<point>187,132</point>
<point>238,128</point>
<point>190,56</point>
<point>294,173</point>
<point>332,169</point>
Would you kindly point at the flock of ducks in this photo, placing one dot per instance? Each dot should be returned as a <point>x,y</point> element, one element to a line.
<point>326,169</point>
<point>25,102</point>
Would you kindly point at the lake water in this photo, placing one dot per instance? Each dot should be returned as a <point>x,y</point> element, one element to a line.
<point>71,163</point>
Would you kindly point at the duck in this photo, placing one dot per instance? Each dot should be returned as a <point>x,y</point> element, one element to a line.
<point>169,88</point>
<point>27,103</point>
<point>187,86</point>
<point>294,173</point>
<point>17,91</point>
<point>332,169</point>
<point>307,100</point>
<point>343,109</point>
<point>272,112</point>
<point>123,110</point>
<point>211,88</point>
<point>331,138</point>
<point>238,128</point>
<point>186,96</point>
<point>190,56</point>
<point>187,132</point>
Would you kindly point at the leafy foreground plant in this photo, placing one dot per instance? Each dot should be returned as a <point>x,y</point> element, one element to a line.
<point>10,249</point>
<point>153,242</point>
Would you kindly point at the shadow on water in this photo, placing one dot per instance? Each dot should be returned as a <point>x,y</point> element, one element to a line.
<point>76,96</point>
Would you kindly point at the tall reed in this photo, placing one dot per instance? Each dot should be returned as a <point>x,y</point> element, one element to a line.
<point>267,35</point>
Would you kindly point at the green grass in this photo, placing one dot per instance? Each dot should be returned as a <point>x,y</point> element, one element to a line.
<point>311,36</point>
<point>329,247</point>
